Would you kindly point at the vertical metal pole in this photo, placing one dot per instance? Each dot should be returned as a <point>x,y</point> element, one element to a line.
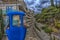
<point>10,21</point>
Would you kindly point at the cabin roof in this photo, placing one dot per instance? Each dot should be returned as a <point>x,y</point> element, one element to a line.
<point>15,13</point>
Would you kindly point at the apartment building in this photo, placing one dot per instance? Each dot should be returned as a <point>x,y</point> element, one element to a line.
<point>5,5</point>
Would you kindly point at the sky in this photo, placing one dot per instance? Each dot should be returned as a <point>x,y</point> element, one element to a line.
<point>37,5</point>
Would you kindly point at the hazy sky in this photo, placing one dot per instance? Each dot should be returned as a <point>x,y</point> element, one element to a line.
<point>37,5</point>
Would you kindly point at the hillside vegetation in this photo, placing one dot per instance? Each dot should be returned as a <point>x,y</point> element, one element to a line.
<point>51,18</point>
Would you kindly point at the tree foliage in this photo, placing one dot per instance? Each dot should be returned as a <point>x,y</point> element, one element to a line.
<point>1,25</point>
<point>49,16</point>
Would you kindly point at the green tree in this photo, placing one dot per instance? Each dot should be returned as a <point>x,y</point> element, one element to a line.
<point>1,25</point>
<point>48,17</point>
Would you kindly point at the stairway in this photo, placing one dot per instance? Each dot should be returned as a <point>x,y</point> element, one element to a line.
<point>30,31</point>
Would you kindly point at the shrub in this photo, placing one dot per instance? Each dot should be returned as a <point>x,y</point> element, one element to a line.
<point>48,30</point>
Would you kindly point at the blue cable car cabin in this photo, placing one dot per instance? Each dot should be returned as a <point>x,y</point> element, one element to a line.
<point>16,31</point>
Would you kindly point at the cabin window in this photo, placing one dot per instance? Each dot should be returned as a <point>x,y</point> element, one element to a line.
<point>16,20</point>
